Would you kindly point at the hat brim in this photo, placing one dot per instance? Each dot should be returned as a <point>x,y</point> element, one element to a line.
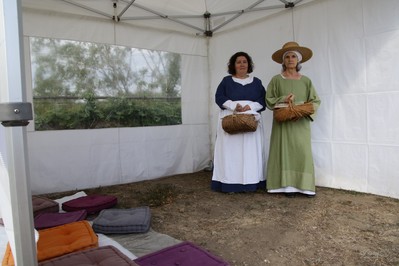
<point>305,52</point>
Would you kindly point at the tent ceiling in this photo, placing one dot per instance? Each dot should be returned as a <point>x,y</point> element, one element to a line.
<point>189,15</point>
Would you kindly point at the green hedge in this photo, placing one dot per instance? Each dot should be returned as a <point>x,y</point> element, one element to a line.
<point>91,112</point>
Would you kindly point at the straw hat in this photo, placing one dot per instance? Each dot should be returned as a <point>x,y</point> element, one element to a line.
<point>292,46</point>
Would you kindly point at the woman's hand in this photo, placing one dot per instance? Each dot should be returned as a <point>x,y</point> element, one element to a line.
<point>290,97</point>
<point>240,108</point>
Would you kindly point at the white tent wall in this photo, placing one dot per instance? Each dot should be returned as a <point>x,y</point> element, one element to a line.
<point>355,134</point>
<point>355,141</point>
<point>78,159</point>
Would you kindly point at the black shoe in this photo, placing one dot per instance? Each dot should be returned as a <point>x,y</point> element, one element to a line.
<point>290,195</point>
<point>310,196</point>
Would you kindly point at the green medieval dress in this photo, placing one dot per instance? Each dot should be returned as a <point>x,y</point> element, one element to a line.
<point>290,165</point>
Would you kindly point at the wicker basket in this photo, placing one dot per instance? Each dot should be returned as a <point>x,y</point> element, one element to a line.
<point>293,111</point>
<point>239,123</point>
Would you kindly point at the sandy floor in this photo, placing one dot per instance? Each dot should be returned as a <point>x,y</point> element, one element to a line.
<point>335,228</point>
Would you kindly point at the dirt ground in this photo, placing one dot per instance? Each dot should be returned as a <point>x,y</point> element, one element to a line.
<point>254,229</point>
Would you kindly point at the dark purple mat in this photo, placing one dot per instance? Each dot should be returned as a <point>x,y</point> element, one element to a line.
<point>47,220</point>
<point>182,254</point>
<point>91,203</point>
<point>44,205</point>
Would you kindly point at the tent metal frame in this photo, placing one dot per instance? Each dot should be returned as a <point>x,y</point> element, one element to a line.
<point>207,31</point>
<point>15,115</point>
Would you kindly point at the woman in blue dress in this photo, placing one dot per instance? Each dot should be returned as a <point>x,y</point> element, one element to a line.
<point>239,158</point>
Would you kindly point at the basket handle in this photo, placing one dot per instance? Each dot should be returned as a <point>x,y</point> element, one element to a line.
<point>291,106</point>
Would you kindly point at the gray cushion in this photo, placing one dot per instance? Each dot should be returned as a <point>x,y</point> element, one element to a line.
<point>122,221</point>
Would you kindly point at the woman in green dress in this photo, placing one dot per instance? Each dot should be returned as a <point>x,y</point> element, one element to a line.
<point>290,168</point>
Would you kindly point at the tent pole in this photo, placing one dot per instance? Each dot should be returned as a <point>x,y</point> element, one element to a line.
<point>211,100</point>
<point>126,8</point>
<point>250,8</point>
<point>88,8</point>
<point>18,218</point>
<point>163,16</point>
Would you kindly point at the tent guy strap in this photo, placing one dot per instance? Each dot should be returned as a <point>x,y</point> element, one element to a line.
<point>208,31</point>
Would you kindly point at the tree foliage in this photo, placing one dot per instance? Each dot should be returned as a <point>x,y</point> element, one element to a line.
<point>99,85</point>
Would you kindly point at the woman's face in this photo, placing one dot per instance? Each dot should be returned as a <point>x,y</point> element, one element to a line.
<point>241,65</point>
<point>290,60</point>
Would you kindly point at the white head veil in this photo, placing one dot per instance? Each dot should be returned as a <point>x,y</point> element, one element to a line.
<point>298,55</point>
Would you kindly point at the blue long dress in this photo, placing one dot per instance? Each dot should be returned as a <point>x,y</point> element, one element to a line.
<point>239,158</point>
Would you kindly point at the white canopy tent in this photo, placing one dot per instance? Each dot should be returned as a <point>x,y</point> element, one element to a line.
<point>354,43</point>
<point>355,135</point>
<point>105,157</point>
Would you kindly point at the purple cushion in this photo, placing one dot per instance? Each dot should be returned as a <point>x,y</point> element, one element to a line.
<point>101,256</point>
<point>92,203</point>
<point>47,220</point>
<point>182,254</point>
<point>44,205</point>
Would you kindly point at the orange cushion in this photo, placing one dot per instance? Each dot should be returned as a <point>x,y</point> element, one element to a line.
<point>8,259</point>
<point>60,240</point>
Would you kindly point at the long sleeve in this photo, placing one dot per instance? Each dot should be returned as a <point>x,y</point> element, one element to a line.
<point>314,98</point>
<point>273,95</point>
<point>221,94</point>
<point>230,105</point>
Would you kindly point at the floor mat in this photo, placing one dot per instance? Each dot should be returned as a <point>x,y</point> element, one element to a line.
<point>144,243</point>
